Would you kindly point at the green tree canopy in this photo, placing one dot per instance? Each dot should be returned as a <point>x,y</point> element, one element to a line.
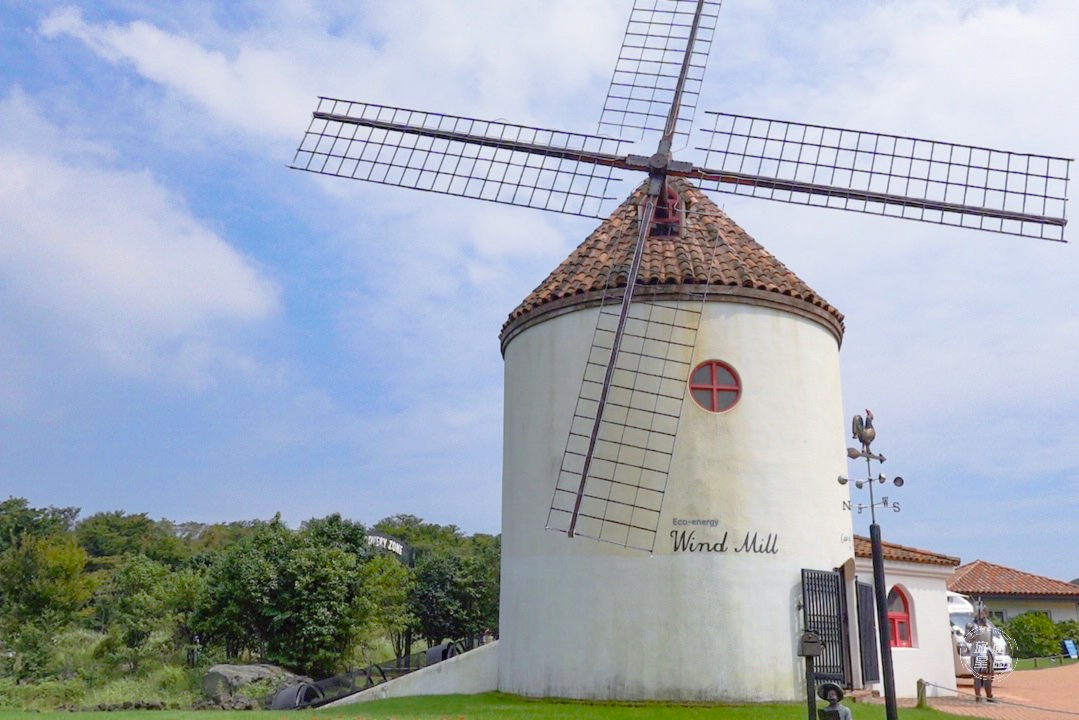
<point>286,598</point>
<point>441,597</point>
<point>335,531</point>
<point>111,534</point>
<point>423,536</point>
<point>18,519</point>
<point>388,585</point>
<point>42,579</point>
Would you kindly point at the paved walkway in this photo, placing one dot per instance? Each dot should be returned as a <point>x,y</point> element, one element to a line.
<point>1050,694</point>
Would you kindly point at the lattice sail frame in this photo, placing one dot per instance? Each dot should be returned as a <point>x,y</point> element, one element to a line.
<point>623,493</point>
<point>645,78</point>
<point>454,155</point>
<point>911,178</point>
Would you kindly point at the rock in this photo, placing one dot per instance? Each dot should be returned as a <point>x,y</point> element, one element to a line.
<point>224,681</point>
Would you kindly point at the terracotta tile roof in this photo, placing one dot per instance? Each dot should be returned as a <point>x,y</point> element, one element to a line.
<point>983,578</point>
<point>739,261</point>
<point>901,553</point>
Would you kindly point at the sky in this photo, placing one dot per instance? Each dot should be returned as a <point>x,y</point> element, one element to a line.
<point>192,330</point>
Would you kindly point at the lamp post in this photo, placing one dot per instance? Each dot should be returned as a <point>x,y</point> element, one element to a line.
<point>864,431</point>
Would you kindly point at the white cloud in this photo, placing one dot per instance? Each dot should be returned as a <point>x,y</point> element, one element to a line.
<point>255,89</point>
<point>262,80</point>
<point>110,262</point>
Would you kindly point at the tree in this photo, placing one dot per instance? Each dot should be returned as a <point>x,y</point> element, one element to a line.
<point>335,531</point>
<point>243,582</point>
<point>387,587</point>
<point>483,571</point>
<point>132,602</point>
<point>18,520</point>
<point>286,598</point>
<point>184,592</point>
<point>1034,635</point>
<point>111,534</point>
<point>441,597</point>
<point>42,590</point>
<point>422,536</point>
<point>42,579</point>
<point>318,614</point>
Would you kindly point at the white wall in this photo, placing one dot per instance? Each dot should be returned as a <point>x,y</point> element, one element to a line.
<point>589,620</point>
<point>930,657</point>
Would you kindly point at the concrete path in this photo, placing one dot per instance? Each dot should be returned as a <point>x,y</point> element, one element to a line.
<point>1050,694</point>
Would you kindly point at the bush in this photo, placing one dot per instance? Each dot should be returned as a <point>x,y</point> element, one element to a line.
<point>44,695</point>
<point>1034,635</point>
<point>73,654</point>
<point>1068,630</point>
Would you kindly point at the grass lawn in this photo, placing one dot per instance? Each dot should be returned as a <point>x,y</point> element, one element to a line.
<point>1028,664</point>
<point>495,706</point>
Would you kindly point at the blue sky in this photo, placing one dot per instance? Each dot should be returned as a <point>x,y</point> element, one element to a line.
<point>190,329</point>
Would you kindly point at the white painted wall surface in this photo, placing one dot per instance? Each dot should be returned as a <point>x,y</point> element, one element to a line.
<point>474,672</point>
<point>1058,610</point>
<point>589,620</point>
<point>930,658</point>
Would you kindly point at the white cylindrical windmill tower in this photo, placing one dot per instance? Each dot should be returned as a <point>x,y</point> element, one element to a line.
<point>748,499</point>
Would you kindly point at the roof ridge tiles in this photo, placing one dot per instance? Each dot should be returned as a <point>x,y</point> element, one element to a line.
<point>981,577</point>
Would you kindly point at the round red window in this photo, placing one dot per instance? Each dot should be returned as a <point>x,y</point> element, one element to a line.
<point>715,386</point>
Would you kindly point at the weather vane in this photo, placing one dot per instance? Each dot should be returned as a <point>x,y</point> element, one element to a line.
<point>865,433</point>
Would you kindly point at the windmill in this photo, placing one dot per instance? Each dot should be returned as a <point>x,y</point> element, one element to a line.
<point>654,93</point>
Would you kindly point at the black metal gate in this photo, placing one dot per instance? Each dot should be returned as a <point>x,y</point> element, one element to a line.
<point>867,633</point>
<point>824,609</point>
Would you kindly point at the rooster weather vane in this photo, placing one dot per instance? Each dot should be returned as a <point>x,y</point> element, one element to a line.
<point>863,431</point>
<point>654,89</point>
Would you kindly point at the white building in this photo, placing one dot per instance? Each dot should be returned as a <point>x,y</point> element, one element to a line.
<point>1009,593</point>
<point>920,632</point>
<point>750,500</point>
<point>747,540</point>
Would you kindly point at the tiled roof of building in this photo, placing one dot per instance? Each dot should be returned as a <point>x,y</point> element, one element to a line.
<point>983,578</point>
<point>711,250</point>
<point>901,553</point>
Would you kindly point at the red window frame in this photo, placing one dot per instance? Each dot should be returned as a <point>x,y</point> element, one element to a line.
<point>899,619</point>
<point>714,395</point>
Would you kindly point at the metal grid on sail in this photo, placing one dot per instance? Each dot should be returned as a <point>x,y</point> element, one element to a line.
<point>650,62</point>
<point>622,496</point>
<point>939,182</point>
<point>486,160</point>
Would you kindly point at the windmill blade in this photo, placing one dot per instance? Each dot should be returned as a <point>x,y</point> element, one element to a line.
<point>486,160</point>
<point>926,180</point>
<point>614,470</point>
<point>657,67</point>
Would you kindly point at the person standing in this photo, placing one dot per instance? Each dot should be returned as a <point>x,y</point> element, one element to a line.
<point>979,636</point>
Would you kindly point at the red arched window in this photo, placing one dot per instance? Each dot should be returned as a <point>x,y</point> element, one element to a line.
<point>899,618</point>
<point>715,386</point>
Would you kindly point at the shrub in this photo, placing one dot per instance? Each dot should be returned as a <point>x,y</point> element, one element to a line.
<point>1035,635</point>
